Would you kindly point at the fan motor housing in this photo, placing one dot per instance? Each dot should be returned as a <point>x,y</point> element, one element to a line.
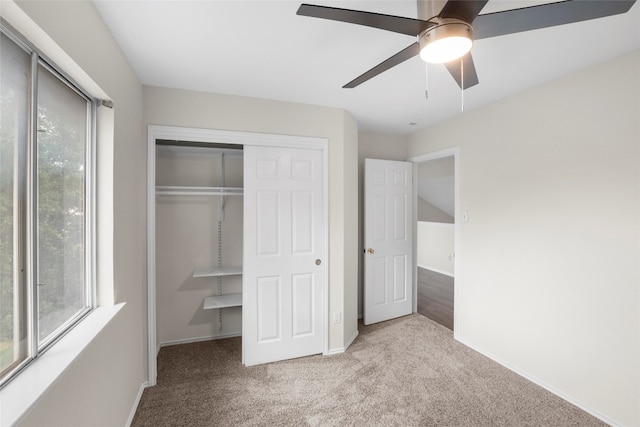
<point>446,27</point>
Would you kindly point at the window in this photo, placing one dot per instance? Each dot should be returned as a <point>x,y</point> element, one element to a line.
<point>46,253</point>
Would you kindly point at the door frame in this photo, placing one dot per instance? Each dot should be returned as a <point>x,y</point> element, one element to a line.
<point>155,132</point>
<point>435,155</point>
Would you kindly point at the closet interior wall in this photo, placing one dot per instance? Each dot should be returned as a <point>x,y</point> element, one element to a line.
<point>187,239</point>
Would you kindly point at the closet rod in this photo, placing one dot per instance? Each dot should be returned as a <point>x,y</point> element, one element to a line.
<point>178,143</point>
<point>198,191</point>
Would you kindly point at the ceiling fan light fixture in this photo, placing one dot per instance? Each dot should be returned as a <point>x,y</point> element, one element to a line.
<point>449,40</point>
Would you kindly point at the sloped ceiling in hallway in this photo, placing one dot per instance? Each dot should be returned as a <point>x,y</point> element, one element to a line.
<point>436,184</point>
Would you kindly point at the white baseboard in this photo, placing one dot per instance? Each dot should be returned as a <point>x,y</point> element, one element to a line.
<point>347,345</point>
<point>542,384</point>
<point>198,339</point>
<point>136,403</point>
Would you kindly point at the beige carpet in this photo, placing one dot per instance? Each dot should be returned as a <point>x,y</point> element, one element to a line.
<point>404,372</point>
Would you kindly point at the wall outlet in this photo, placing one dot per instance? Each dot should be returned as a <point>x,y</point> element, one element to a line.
<point>337,317</point>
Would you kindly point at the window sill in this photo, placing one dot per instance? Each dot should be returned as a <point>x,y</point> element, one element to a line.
<point>19,396</point>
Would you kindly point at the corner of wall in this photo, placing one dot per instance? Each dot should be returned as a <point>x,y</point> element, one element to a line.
<point>351,212</point>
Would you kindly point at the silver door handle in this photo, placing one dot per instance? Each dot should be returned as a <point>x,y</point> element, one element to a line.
<point>318,261</point>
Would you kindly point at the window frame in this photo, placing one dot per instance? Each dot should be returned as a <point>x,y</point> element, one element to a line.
<point>27,245</point>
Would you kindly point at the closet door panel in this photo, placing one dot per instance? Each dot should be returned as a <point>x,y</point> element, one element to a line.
<point>302,222</point>
<point>268,223</point>
<point>269,322</point>
<point>283,231</point>
<point>303,305</point>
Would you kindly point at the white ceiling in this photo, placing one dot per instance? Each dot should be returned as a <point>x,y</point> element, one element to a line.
<point>263,49</point>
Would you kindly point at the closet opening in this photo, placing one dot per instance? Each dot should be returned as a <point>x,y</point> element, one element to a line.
<point>198,233</point>
<point>237,242</point>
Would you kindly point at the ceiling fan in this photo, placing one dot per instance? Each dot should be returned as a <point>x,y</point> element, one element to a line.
<point>447,33</point>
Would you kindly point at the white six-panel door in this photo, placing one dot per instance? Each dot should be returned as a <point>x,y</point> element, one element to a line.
<point>388,240</point>
<point>284,271</point>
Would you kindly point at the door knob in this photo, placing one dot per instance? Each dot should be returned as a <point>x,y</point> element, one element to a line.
<point>318,262</point>
<point>370,251</point>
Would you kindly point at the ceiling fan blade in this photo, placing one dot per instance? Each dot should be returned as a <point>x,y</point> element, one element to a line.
<point>396,59</point>
<point>467,10</point>
<point>470,76</point>
<point>546,15</point>
<point>397,24</point>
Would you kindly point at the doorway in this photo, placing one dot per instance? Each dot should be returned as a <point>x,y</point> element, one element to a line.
<point>435,178</point>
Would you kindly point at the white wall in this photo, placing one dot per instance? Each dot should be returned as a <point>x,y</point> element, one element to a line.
<point>373,145</point>
<point>172,107</point>
<point>101,386</point>
<point>435,247</point>
<point>548,278</point>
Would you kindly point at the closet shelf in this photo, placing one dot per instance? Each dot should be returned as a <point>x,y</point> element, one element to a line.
<point>217,271</point>
<point>222,301</point>
<point>165,190</point>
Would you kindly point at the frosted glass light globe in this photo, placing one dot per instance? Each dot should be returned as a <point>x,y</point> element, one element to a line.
<point>449,40</point>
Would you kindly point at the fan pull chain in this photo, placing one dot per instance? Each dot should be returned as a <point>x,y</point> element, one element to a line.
<point>426,74</point>
<point>462,84</point>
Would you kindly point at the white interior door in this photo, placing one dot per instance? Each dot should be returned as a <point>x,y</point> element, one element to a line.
<point>284,270</point>
<point>388,258</point>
